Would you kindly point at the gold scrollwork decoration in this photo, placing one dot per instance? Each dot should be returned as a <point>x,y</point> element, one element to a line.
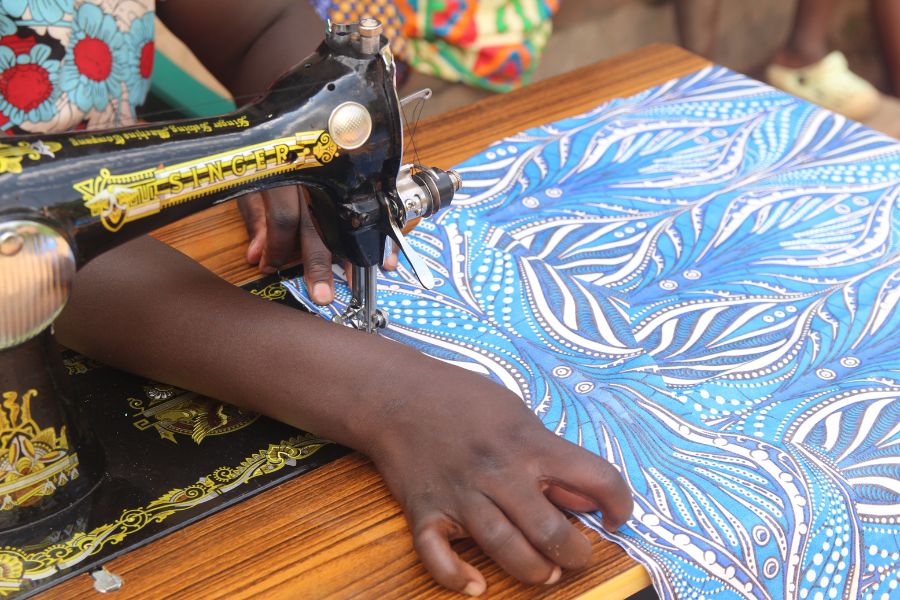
<point>17,567</point>
<point>11,156</point>
<point>273,291</point>
<point>173,412</point>
<point>34,461</point>
<point>120,198</point>
<point>79,365</point>
<point>325,149</point>
<point>12,569</point>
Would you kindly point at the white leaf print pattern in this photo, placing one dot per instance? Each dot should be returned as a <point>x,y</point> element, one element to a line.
<point>701,284</point>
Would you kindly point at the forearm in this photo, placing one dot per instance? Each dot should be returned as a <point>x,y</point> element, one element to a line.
<point>462,455</point>
<point>246,45</point>
<point>147,309</point>
<point>284,43</point>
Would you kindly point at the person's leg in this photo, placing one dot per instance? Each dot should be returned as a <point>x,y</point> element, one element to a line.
<point>807,68</point>
<point>886,14</point>
<point>698,25</point>
<point>808,41</point>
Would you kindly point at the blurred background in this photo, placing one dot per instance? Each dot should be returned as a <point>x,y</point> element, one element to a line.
<point>744,36</point>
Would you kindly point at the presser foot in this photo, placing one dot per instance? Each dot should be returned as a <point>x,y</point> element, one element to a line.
<point>361,313</point>
<point>355,316</point>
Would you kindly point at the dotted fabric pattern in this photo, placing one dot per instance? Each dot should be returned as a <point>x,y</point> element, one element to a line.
<point>701,284</point>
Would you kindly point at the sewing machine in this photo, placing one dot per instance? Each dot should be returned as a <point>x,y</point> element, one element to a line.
<point>332,124</point>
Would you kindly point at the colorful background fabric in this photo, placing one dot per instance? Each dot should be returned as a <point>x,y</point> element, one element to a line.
<point>700,284</point>
<point>494,44</point>
<point>66,64</point>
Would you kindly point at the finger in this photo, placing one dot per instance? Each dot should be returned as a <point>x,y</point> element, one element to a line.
<point>544,525</point>
<point>505,544</point>
<point>580,480</point>
<point>348,273</point>
<point>282,225</point>
<point>572,500</point>
<point>410,225</point>
<point>431,539</point>
<point>316,257</point>
<point>253,212</point>
<point>391,258</point>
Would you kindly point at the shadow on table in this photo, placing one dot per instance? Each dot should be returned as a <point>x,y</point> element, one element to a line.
<point>648,593</point>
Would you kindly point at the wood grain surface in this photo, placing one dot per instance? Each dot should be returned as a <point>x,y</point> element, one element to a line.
<point>336,532</point>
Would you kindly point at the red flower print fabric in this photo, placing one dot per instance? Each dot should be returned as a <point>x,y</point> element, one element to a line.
<point>68,64</point>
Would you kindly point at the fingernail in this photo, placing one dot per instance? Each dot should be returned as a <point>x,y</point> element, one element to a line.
<point>474,588</point>
<point>321,293</point>
<point>554,576</point>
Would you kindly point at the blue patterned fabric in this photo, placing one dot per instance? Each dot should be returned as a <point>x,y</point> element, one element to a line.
<point>700,284</point>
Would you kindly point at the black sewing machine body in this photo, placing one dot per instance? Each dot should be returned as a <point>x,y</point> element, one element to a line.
<point>104,187</point>
<point>333,124</point>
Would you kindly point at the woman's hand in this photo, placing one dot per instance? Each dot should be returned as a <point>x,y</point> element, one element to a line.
<point>466,458</point>
<point>462,455</point>
<point>279,222</point>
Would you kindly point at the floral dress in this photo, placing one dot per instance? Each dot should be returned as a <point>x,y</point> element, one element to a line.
<point>72,64</point>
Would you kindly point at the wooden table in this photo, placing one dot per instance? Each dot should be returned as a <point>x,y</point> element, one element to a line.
<point>336,532</point>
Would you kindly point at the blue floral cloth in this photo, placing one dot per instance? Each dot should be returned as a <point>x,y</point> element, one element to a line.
<point>700,284</point>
